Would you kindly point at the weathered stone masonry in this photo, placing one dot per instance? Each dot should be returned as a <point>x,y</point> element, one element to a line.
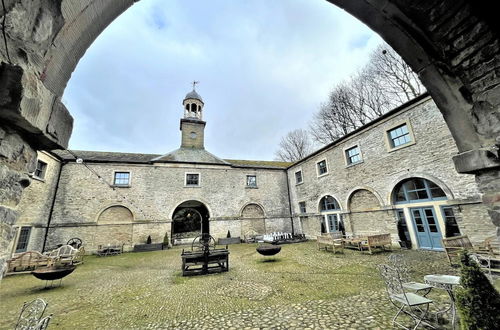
<point>365,190</point>
<point>87,207</point>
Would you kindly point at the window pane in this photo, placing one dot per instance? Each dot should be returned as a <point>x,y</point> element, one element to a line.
<point>298,177</point>
<point>400,196</point>
<point>322,167</point>
<point>251,181</point>
<point>302,206</point>
<point>399,135</point>
<point>192,179</point>
<point>451,225</point>
<point>40,169</point>
<point>437,192</point>
<point>419,183</point>
<point>422,194</point>
<point>24,236</point>
<point>122,178</point>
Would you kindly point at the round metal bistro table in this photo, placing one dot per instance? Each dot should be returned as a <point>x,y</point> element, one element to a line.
<point>445,282</point>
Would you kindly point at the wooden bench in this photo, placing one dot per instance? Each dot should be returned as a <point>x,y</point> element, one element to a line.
<point>109,250</point>
<point>377,241</point>
<point>333,240</point>
<point>26,262</point>
<point>199,262</point>
<point>486,254</point>
<point>453,246</point>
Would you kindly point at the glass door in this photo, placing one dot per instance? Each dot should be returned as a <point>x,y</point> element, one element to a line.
<point>426,228</point>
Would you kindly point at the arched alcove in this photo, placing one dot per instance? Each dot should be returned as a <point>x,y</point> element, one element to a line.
<point>115,214</point>
<point>252,220</point>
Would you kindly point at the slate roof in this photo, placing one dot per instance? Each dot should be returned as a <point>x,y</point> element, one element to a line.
<point>193,95</point>
<point>105,156</point>
<point>189,155</point>
<point>258,163</point>
<point>182,155</point>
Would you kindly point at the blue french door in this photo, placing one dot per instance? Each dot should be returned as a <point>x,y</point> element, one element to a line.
<point>426,228</point>
<point>333,222</point>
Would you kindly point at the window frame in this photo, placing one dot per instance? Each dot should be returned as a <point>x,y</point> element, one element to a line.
<point>128,185</point>
<point>251,186</point>
<point>301,177</point>
<point>347,158</point>
<point>43,170</point>
<point>304,209</point>
<point>27,241</point>
<point>389,141</point>
<point>335,203</point>
<point>443,215</point>
<point>318,167</point>
<point>192,185</point>
<point>427,189</point>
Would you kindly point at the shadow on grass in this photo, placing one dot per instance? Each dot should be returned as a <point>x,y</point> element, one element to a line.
<point>48,287</point>
<point>268,260</point>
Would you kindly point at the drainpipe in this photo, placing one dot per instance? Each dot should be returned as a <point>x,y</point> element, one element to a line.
<point>63,162</point>
<point>289,201</point>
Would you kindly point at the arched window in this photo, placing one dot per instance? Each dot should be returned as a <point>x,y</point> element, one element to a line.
<point>417,189</point>
<point>187,107</point>
<point>328,203</point>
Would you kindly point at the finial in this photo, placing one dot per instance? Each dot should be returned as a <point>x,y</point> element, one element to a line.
<point>194,84</point>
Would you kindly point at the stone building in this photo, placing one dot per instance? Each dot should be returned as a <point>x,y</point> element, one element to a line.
<point>394,175</point>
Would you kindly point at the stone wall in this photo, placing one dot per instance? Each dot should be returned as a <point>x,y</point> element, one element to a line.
<point>84,202</point>
<point>381,169</point>
<point>17,160</point>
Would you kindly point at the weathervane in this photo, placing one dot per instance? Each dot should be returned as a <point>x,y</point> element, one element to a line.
<point>194,84</point>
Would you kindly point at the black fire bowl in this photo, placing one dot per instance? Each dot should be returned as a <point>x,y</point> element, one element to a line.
<point>52,274</point>
<point>269,250</point>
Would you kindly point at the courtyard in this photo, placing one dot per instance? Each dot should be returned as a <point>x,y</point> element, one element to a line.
<point>300,287</point>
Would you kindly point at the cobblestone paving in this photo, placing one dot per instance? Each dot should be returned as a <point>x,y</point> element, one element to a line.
<point>299,288</point>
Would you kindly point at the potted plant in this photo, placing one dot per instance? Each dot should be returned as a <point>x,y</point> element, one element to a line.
<point>148,246</point>
<point>166,241</point>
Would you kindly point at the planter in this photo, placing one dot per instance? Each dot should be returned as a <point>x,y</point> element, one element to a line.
<point>268,250</point>
<point>148,247</point>
<point>229,240</point>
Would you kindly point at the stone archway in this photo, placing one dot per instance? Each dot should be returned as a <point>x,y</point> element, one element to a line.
<point>453,46</point>
<point>190,219</point>
<point>252,220</point>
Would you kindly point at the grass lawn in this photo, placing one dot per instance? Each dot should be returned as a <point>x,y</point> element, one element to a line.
<point>300,287</point>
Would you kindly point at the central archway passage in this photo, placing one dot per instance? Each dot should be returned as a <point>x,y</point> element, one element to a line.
<point>190,219</point>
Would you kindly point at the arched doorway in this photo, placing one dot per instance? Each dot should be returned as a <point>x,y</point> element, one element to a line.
<point>331,218</point>
<point>190,219</point>
<point>423,214</point>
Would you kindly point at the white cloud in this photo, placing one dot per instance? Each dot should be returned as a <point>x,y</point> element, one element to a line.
<point>264,66</point>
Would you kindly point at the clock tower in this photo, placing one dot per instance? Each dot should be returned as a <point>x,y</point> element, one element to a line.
<point>192,125</point>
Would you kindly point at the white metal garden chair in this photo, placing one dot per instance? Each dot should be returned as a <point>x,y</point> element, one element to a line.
<point>408,303</point>
<point>398,261</point>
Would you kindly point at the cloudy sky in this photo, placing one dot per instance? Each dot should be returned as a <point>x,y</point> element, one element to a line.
<point>264,68</point>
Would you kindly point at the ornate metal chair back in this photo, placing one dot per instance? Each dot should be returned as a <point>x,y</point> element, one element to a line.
<point>393,283</point>
<point>43,323</point>
<point>398,261</point>
<point>31,313</point>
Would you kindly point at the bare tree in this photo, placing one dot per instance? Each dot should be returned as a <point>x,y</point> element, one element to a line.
<point>394,76</point>
<point>384,83</point>
<point>294,146</point>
